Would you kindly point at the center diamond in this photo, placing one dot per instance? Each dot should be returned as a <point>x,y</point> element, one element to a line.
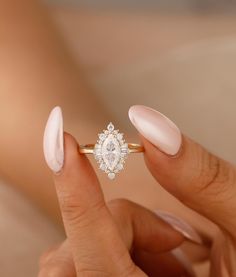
<point>111,151</point>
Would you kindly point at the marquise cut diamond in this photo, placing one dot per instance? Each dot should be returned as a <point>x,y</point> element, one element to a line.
<point>111,151</point>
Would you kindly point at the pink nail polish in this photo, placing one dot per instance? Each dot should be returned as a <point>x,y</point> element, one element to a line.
<point>180,225</point>
<point>183,259</point>
<point>156,128</point>
<point>224,270</point>
<point>53,140</point>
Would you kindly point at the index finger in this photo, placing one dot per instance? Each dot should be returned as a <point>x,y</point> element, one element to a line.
<point>198,178</point>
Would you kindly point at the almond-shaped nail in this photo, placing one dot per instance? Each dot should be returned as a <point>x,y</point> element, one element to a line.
<point>180,225</point>
<point>224,270</point>
<point>53,140</point>
<point>156,128</point>
<point>184,260</point>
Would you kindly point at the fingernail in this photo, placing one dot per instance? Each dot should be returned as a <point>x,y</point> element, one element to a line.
<point>180,225</point>
<point>53,141</point>
<point>224,270</point>
<point>156,128</point>
<point>183,259</point>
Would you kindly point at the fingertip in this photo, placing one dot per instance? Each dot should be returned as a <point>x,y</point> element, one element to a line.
<point>181,226</point>
<point>157,128</point>
<point>53,140</point>
<point>130,114</point>
<point>71,150</point>
<point>183,259</point>
<point>133,111</point>
<point>77,178</point>
<point>72,153</point>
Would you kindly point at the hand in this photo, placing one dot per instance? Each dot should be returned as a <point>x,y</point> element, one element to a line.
<point>114,239</point>
<point>200,180</point>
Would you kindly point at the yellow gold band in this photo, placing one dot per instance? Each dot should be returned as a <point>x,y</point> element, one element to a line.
<point>89,148</point>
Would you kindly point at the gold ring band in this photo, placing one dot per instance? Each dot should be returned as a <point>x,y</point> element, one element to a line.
<point>89,148</point>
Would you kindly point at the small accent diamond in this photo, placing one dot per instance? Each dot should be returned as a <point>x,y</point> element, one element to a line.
<point>103,166</point>
<point>110,127</point>
<point>120,136</point>
<point>102,136</point>
<point>111,175</point>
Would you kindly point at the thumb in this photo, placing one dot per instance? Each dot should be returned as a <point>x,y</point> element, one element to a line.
<point>196,177</point>
<point>96,245</point>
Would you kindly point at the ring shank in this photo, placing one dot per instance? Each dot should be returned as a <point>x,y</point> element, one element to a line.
<point>89,148</point>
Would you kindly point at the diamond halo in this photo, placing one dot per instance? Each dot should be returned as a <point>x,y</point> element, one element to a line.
<point>111,151</point>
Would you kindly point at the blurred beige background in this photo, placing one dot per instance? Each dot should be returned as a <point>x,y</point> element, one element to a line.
<point>181,64</point>
<point>169,5</point>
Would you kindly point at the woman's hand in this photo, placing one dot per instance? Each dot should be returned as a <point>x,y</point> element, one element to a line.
<point>117,239</point>
<point>199,179</point>
<point>125,239</point>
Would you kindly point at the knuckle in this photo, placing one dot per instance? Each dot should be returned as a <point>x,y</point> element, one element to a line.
<point>213,174</point>
<point>214,177</point>
<point>119,206</point>
<point>80,213</point>
<point>70,206</point>
<point>209,172</point>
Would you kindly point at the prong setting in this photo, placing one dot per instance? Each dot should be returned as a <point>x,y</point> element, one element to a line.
<point>111,151</point>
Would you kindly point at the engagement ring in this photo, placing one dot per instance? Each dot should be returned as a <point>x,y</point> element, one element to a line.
<point>111,150</point>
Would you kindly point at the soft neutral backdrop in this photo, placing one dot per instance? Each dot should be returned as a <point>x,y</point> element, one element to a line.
<point>181,64</point>
<point>180,5</point>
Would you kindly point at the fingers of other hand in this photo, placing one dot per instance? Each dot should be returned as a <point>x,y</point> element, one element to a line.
<point>142,229</point>
<point>199,179</point>
<point>147,236</point>
<point>151,238</point>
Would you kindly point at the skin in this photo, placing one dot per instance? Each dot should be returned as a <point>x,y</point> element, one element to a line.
<point>30,88</point>
<point>26,81</point>
<point>37,72</point>
<point>196,177</point>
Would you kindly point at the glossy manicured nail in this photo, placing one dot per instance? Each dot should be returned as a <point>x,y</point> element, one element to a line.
<point>156,128</point>
<point>224,271</point>
<point>53,141</point>
<point>180,225</point>
<point>184,261</point>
